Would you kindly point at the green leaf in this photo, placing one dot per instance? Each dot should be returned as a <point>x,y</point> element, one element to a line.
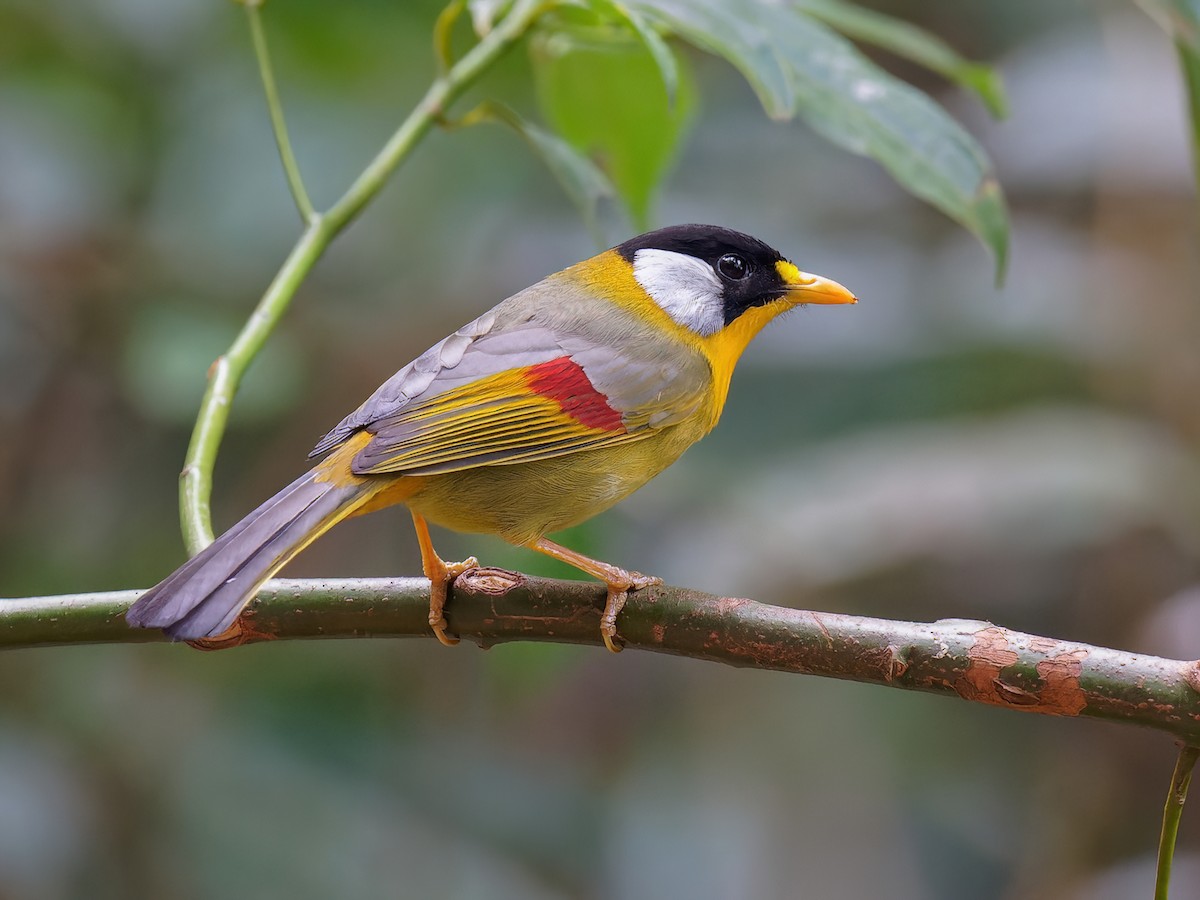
<point>912,43</point>
<point>668,69</point>
<point>863,109</point>
<point>851,102</point>
<point>591,86</point>
<point>721,30</point>
<point>583,182</point>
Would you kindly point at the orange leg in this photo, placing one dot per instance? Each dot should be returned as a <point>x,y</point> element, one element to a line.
<point>441,575</point>
<point>619,581</point>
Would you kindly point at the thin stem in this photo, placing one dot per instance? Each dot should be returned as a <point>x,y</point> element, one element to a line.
<point>195,481</point>
<point>1172,813</point>
<point>275,108</point>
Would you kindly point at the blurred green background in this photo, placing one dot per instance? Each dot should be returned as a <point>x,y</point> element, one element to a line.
<point>1024,455</point>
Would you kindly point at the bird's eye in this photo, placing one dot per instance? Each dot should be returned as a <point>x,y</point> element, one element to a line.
<point>733,267</point>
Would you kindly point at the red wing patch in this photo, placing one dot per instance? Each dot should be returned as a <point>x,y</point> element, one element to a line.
<point>564,381</point>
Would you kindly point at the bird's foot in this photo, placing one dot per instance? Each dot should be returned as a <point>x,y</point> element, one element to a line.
<point>439,587</point>
<point>619,586</point>
<point>619,581</point>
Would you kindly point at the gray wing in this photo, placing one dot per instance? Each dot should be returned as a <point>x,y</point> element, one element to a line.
<point>476,350</point>
<point>649,387</point>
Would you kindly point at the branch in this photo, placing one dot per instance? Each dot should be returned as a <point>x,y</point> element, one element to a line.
<point>195,481</point>
<point>972,660</point>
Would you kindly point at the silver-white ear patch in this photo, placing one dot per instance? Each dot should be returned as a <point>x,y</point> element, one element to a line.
<point>685,287</point>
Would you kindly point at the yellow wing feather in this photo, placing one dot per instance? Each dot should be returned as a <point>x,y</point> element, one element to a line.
<point>498,420</point>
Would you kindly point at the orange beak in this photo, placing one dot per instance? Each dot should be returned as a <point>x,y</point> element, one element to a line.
<point>806,288</point>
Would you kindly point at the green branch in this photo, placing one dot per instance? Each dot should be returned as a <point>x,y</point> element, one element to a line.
<point>974,661</point>
<point>195,481</point>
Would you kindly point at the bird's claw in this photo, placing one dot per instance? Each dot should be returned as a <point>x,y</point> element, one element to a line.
<point>438,590</point>
<point>618,593</point>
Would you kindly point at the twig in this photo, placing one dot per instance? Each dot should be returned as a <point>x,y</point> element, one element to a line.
<point>1172,812</point>
<point>275,108</point>
<point>975,661</point>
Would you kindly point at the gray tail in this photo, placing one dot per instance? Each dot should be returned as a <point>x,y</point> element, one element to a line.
<point>202,597</point>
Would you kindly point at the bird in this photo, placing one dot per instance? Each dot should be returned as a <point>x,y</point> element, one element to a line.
<point>546,410</point>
